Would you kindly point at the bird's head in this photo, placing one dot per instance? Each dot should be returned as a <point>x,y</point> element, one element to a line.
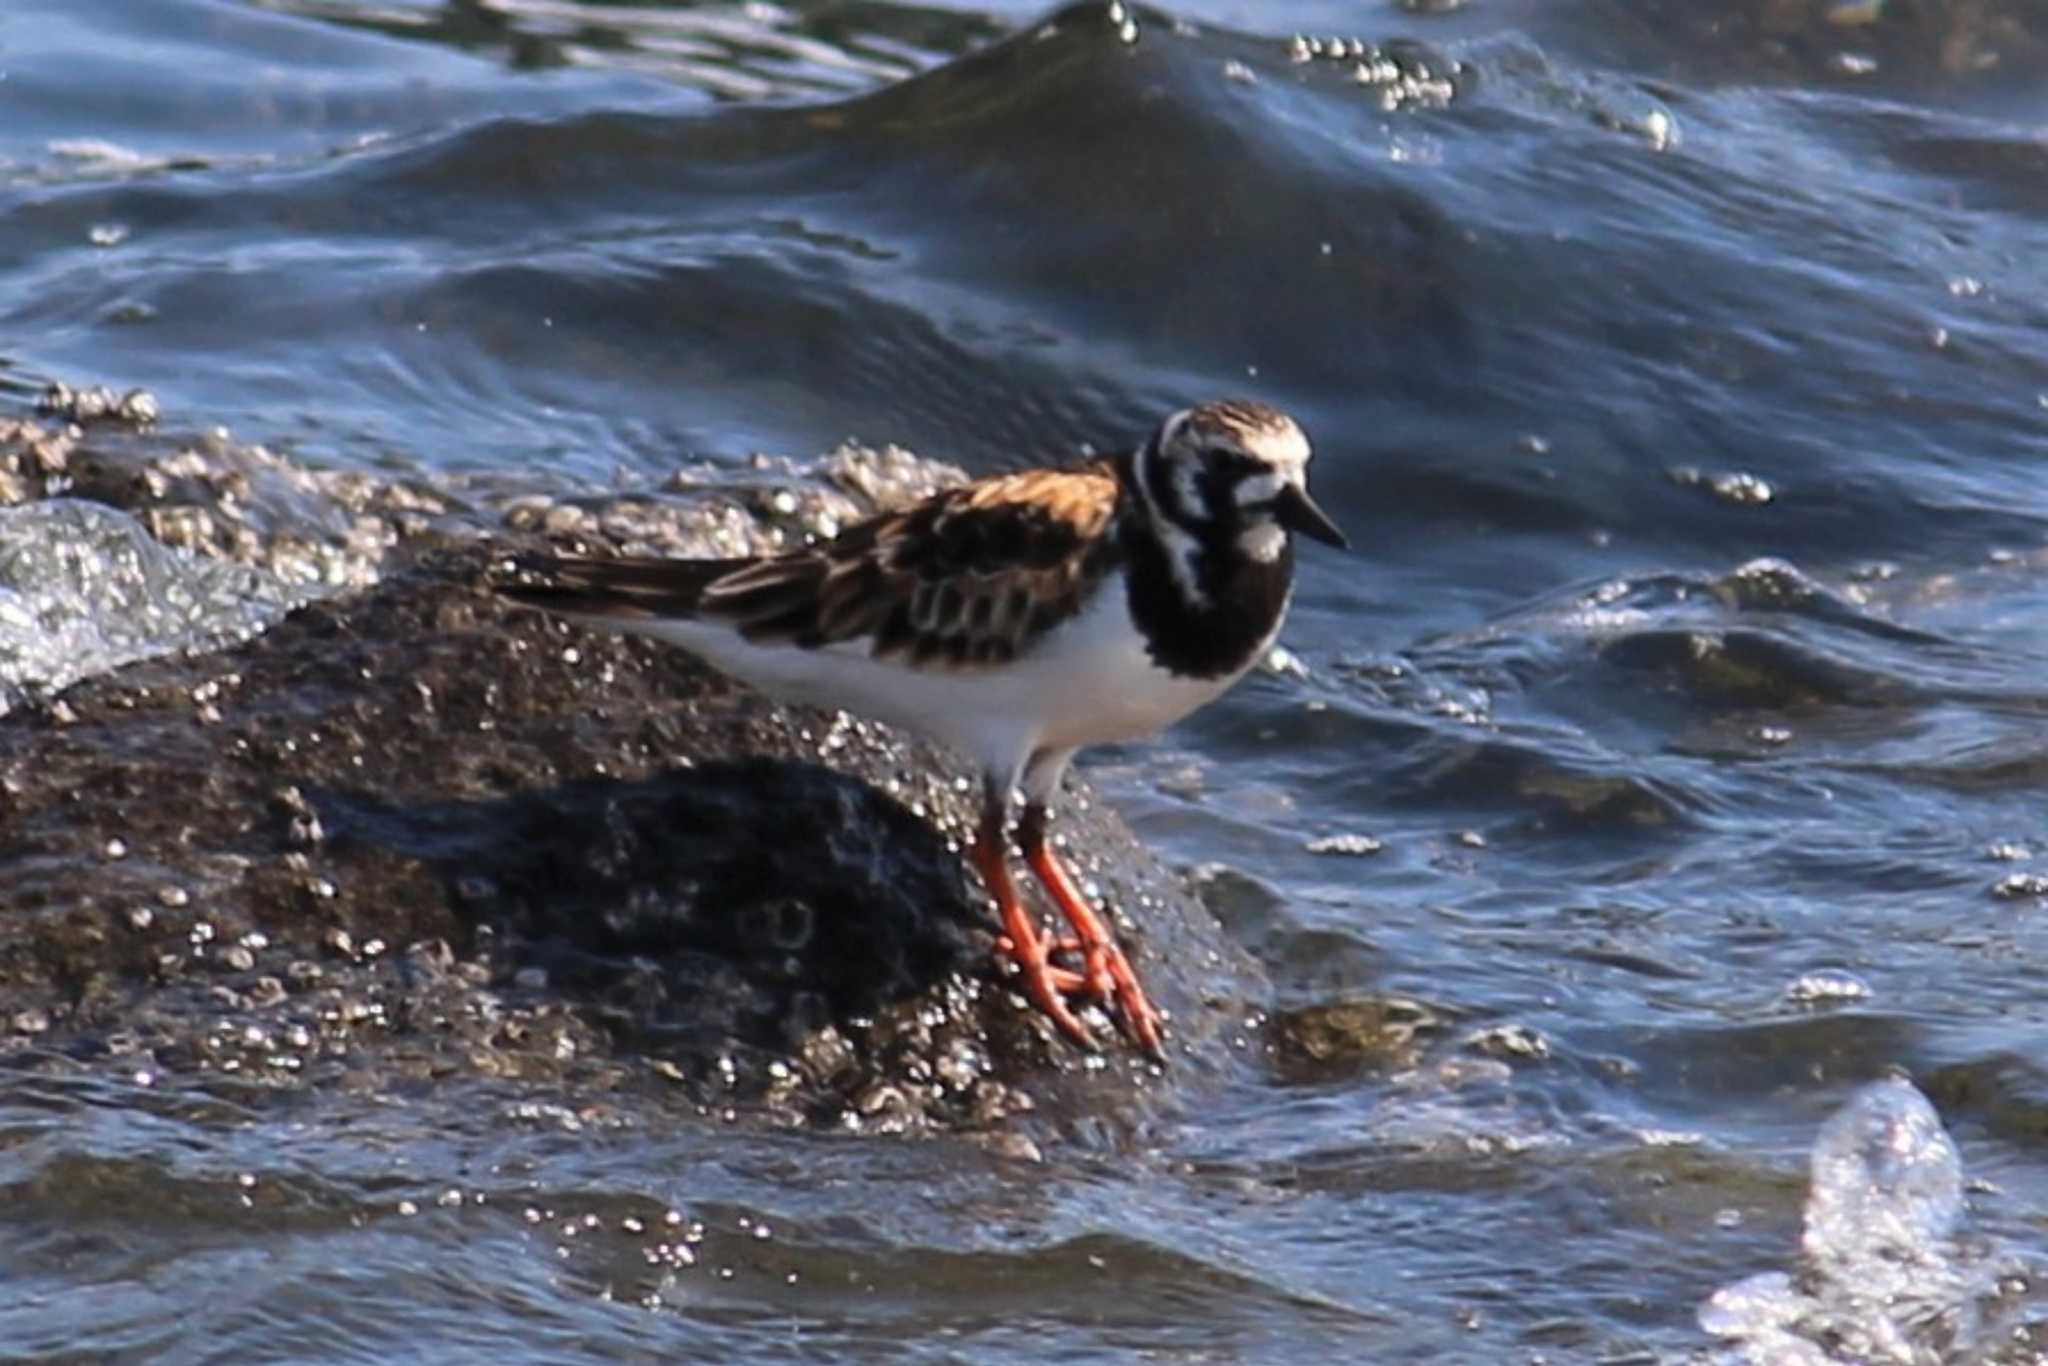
<point>1234,470</point>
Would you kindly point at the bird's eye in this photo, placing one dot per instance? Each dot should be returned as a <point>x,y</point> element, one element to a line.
<point>1229,462</point>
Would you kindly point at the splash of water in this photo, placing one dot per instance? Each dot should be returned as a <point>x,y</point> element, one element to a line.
<point>1883,1280</point>
<point>85,588</point>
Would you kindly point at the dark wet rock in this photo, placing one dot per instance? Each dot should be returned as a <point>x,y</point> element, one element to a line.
<point>1455,768</point>
<point>410,832</point>
<point>1329,1040</point>
<point>1749,668</point>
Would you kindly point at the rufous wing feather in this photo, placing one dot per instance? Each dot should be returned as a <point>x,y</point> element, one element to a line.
<point>963,578</point>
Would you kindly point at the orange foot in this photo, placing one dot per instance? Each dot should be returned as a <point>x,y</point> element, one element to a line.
<point>1047,985</point>
<point>1106,972</point>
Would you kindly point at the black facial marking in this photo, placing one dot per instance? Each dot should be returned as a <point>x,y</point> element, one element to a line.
<point>1243,598</point>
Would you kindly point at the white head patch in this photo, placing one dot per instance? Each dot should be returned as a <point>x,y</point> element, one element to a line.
<point>1263,542</point>
<point>1184,487</point>
<point>1259,488</point>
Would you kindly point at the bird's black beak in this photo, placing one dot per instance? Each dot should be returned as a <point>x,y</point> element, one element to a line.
<point>1298,512</point>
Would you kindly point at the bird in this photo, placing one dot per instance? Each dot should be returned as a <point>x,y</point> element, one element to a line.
<point>1015,619</point>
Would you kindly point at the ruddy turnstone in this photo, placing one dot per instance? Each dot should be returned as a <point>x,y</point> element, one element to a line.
<point>1015,618</point>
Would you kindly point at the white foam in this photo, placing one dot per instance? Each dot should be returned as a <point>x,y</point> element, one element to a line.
<point>1883,1279</point>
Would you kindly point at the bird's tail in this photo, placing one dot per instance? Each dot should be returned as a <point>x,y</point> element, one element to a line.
<point>619,591</point>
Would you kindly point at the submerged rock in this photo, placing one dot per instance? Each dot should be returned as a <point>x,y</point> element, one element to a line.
<point>412,831</point>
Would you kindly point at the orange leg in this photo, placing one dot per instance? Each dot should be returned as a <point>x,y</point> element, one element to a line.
<point>1105,970</point>
<point>1044,985</point>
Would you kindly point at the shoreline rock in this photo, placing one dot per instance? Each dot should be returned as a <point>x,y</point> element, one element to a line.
<point>411,831</point>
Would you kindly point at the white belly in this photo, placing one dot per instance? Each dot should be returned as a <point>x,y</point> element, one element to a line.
<point>1088,682</point>
<point>1101,685</point>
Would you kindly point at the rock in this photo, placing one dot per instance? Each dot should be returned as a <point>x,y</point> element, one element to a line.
<point>418,832</point>
<point>97,403</point>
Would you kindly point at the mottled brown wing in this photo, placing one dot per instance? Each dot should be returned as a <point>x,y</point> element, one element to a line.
<point>966,577</point>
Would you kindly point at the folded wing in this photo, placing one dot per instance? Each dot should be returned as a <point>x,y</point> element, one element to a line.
<point>967,577</point>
